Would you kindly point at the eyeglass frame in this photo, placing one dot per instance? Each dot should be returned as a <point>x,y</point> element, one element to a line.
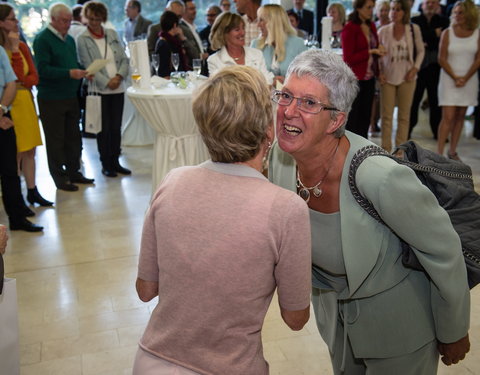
<point>300,100</point>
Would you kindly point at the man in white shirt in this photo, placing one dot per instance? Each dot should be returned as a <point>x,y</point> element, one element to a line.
<point>248,10</point>
<point>135,25</point>
<point>193,43</point>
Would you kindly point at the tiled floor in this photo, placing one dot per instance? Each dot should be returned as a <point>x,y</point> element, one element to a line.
<point>78,310</point>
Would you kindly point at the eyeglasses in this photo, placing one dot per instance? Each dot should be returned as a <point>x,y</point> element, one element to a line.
<point>14,19</point>
<point>95,19</point>
<point>307,105</point>
<point>211,15</point>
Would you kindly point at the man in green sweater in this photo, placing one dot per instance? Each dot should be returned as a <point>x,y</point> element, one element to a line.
<point>60,75</point>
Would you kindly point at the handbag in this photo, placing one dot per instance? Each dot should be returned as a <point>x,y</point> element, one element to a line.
<point>93,110</point>
<point>9,348</point>
<point>451,182</point>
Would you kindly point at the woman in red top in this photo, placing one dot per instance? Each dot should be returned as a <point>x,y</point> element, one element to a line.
<point>360,51</point>
<point>23,111</point>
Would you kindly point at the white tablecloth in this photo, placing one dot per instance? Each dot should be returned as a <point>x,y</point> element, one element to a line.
<point>135,130</point>
<point>169,112</point>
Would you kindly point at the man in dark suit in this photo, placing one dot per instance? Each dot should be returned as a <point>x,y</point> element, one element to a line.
<point>431,24</point>
<point>212,13</point>
<point>193,43</point>
<point>305,16</point>
<point>136,26</point>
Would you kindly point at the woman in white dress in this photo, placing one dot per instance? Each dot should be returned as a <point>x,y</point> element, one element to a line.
<point>459,57</point>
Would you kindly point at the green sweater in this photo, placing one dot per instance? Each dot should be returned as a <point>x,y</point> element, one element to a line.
<point>54,58</point>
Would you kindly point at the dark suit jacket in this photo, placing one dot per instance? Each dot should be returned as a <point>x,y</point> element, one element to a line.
<point>306,21</point>
<point>191,46</point>
<point>152,36</point>
<point>142,26</point>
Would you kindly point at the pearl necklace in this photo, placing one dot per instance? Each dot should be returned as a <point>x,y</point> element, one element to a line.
<point>304,191</point>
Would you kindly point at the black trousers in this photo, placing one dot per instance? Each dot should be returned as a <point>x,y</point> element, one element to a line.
<point>359,117</point>
<point>11,189</point>
<point>108,140</point>
<point>427,78</point>
<point>62,137</point>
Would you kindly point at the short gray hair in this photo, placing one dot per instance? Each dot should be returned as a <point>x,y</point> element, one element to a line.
<point>56,8</point>
<point>330,70</point>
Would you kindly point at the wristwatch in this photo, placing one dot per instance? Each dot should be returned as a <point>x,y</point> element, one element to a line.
<point>4,109</point>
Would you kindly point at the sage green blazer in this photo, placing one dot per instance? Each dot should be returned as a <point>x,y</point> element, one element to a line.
<point>389,310</point>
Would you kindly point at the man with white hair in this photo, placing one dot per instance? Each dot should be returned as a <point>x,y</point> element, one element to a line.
<point>60,75</point>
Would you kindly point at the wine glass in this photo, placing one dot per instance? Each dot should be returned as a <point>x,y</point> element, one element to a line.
<point>156,62</point>
<point>136,76</point>
<point>175,61</point>
<point>197,66</point>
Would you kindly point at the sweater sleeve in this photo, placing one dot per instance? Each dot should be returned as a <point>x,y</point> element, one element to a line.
<point>412,211</point>
<point>31,78</point>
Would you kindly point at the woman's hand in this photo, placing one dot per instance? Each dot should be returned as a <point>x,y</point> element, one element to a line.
<point>410,76</point>
<point>14,38</point>
<point>3,238</point>
<point>382,79</point>
<point>5,123</point>
<point>460,81</point>
<point>454,352</point>
<point>380,51</point>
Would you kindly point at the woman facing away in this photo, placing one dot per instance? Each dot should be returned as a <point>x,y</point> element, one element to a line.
<point>24,115</point>
<point>376,315</point>
<point>398,71</point>
<point>219,239</point>
<point>228,39</point>
<point>98,42</point>
<point>278,40</point>
<point>459,58</point>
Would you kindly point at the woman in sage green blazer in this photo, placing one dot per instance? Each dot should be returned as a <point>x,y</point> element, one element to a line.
<point>376,316</point>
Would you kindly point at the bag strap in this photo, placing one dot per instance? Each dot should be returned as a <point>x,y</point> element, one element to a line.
<point>373,150</point>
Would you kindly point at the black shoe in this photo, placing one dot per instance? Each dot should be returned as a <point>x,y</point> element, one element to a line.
<point>109,173</point>
<point>81,180</point>
<point>27,212</point>
<point>33,196</point>
<point>67,187</point>
<point>122,170</point>
<point>24,224</point>
<point>88,135</point>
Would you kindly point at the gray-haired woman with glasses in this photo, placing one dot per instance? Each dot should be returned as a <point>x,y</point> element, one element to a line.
<point>376,315</point>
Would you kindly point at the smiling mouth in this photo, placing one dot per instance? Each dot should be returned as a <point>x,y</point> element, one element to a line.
<point>292,130</point>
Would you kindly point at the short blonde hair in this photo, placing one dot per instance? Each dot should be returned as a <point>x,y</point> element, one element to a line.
<point>278,29</point>
<point>471,13</point>
<point>223,24</point>
<point>340,9</point>
<point>233,113</point>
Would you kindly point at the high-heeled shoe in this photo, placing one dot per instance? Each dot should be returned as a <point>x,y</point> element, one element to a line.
<point>33,196</point>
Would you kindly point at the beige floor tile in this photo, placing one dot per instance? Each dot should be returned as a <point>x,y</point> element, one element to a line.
<point>87,343</point>
<point>30,353</point>
<point>115,360</point>
<point>64,366</point>
<point>130,336</point>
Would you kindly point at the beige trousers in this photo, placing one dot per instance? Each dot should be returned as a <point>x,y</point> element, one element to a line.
<point>402,96</point>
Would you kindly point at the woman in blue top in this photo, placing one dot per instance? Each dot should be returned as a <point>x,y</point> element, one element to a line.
<point>278,40</point>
